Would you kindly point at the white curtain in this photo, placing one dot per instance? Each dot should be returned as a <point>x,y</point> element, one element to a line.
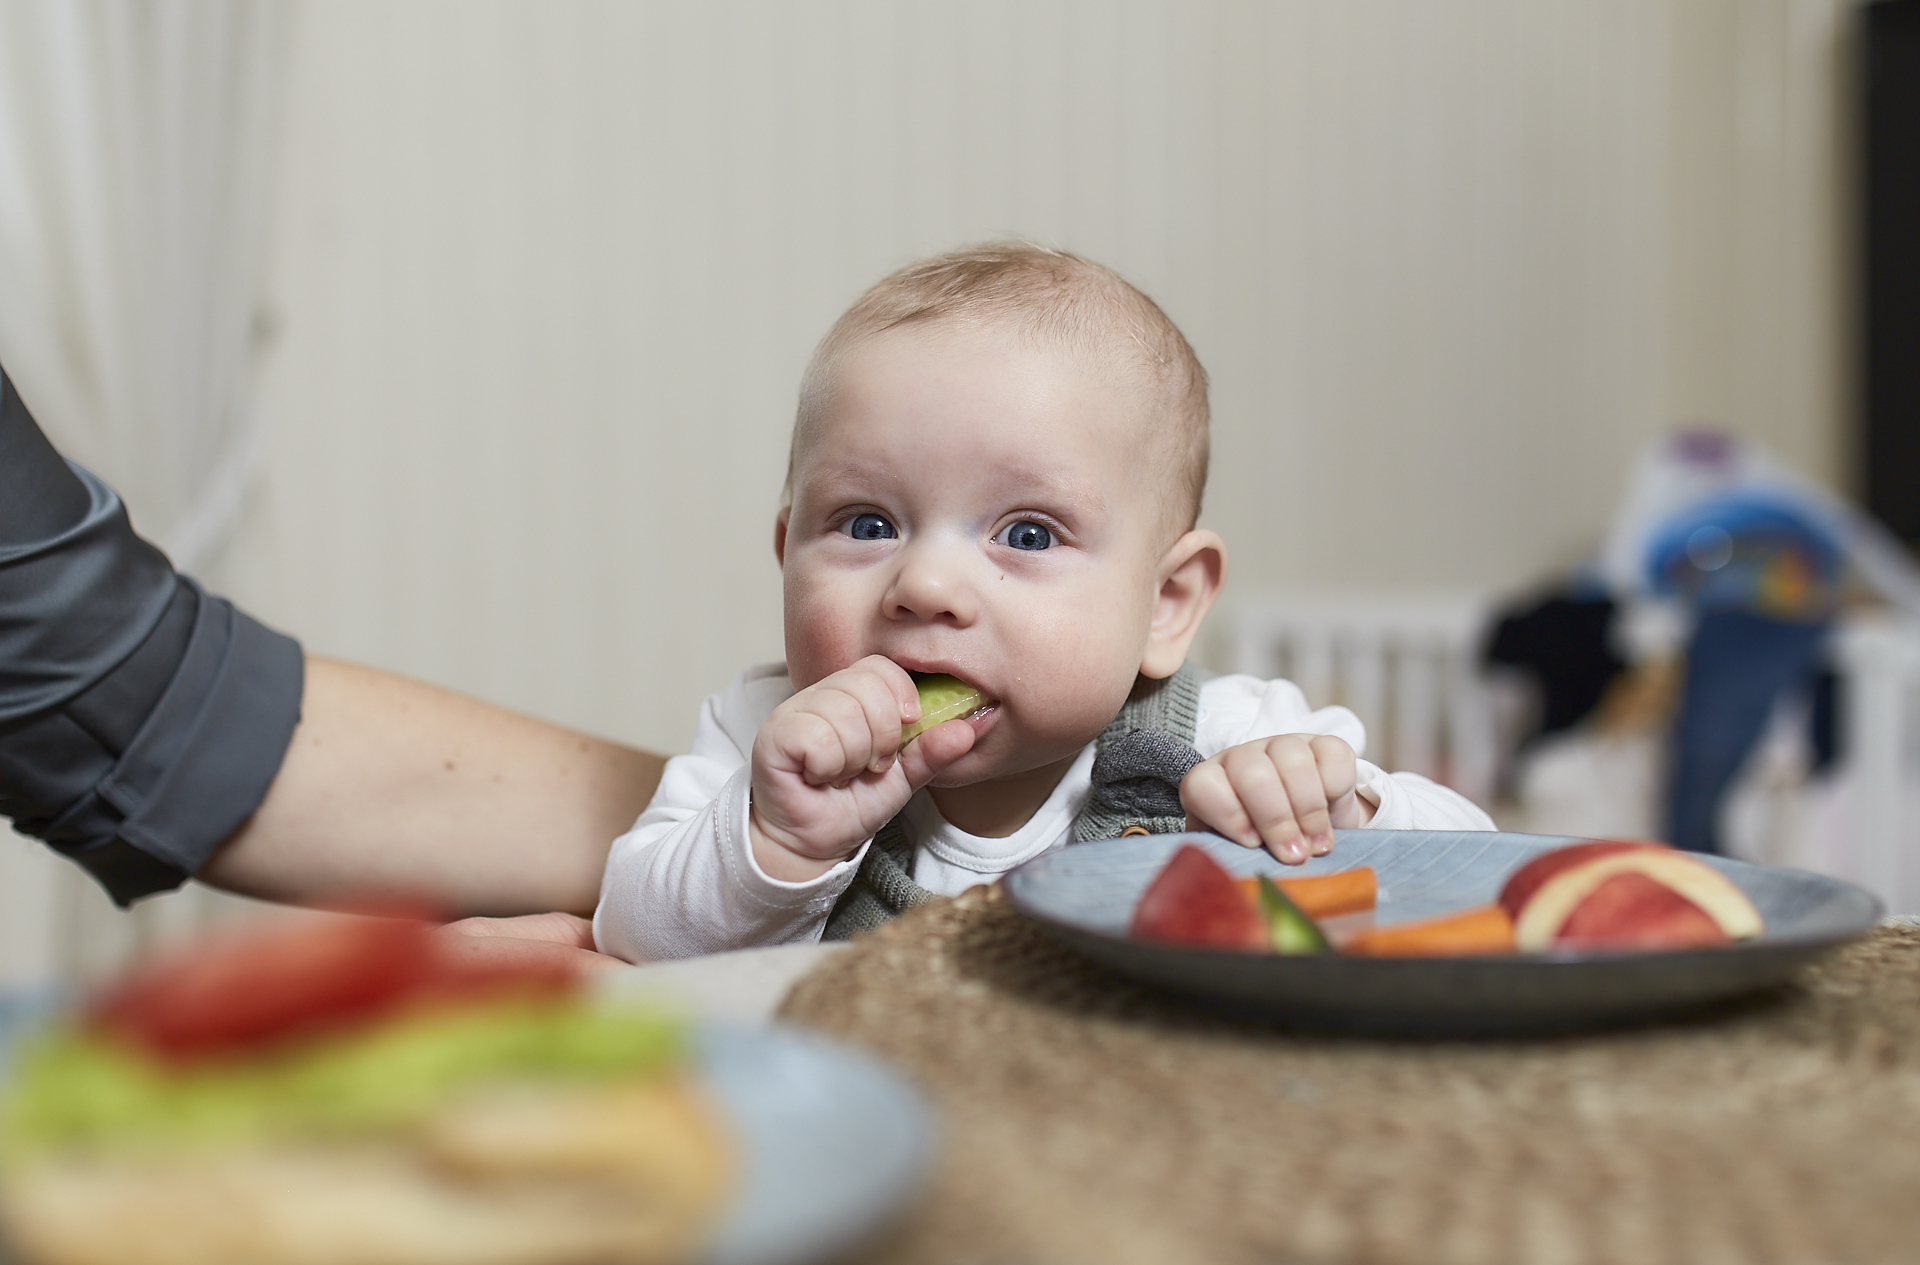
<point>137,144</point>
<point>136,155</point>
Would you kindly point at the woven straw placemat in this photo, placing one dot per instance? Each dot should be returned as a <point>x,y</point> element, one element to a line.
<point>1086,1119</point>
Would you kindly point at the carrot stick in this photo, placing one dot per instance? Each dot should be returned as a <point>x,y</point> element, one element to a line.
<point>1323,895</point>
<point>1481,930</point>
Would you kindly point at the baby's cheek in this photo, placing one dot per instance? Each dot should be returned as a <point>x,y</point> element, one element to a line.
<point>821,640</point>
<point>1080,687</point>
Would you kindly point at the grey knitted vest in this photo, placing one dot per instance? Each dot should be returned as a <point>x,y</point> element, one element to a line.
<point>1139,759</point>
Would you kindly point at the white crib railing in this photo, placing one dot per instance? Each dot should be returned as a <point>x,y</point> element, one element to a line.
<point>1405,662</point>
<point>1878,662</point>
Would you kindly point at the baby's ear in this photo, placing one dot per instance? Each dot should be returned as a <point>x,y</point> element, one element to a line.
<point>1190,576</point>
<point>780,535</point>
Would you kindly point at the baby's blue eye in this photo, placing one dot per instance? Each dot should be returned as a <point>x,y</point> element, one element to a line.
<point>869,527</point>
<point>1028,535</point>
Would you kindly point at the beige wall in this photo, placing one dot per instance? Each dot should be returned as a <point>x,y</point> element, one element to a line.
<point>545,276</point>
<point>1757,177</point>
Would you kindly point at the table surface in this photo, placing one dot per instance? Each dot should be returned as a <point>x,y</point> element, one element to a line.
<point>745,986</point>
<point>1088,1119</point>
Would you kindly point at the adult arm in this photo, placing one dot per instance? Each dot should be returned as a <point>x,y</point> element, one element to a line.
<point>151,731</point>
<point>391,787</point>
<point>141,719</point>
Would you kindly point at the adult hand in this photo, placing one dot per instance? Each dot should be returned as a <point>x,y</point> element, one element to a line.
<point>558,939</point>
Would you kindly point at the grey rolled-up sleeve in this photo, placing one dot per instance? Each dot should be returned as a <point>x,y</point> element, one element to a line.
<point>141,718</point>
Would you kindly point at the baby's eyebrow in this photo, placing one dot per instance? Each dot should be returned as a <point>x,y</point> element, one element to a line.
<point>1041,488</point>
<point>1050,486</point>
<point>847,478</point>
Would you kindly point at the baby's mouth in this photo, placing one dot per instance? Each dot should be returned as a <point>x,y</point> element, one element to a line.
<point>943,697</point>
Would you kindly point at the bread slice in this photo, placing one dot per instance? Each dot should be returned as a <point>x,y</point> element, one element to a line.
<point>628,1170</point>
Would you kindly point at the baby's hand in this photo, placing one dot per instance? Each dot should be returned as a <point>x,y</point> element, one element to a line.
<point>828,770</point>
<point>1287,793</point>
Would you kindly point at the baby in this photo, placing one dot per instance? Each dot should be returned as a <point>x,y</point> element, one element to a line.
<point>995,474</point>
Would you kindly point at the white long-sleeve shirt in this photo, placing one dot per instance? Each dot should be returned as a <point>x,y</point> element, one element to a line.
<point>684,881</point>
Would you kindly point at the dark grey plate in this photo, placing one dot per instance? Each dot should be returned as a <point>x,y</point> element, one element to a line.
<point>1085,895</point>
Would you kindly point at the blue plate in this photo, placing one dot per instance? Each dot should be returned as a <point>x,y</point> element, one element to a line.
<point>832,1142</point>
<point>1085,895</point>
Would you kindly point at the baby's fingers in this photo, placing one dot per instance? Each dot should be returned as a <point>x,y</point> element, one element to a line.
<point>861,718</point>
<point>1340,779</point>
<point>808,743</point>
<point>923,758</point>
<point>1297,762</point>
<point>886,696</point>
<point>1212,803</point>
<point>1280,789</point>
<point>826,742</point>
<point>1267,794</point>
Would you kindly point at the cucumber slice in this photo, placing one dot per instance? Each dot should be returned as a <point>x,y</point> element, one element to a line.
<point>942,698</point>
<point>1293,932</point>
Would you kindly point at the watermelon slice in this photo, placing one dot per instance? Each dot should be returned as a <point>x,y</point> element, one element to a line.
<point>1193,900</point>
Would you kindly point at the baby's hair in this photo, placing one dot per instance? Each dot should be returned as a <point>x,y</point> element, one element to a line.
<point>1053,298</point>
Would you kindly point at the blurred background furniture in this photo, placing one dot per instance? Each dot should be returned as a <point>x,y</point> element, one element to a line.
<point>1406,662</point>
<point>1410,665</point>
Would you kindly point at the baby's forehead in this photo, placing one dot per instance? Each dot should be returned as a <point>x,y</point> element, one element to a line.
<point>1102,355</point>
<point>971,392</point>
<point>1049,375</point>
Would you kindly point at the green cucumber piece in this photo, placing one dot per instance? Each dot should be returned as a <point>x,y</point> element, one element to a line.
<point>942,698</point>
<point>1293,932</point>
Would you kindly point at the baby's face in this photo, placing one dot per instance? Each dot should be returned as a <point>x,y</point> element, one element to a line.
<point>972,505</point>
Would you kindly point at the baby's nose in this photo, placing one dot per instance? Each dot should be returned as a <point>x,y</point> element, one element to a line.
<point>931,585</point>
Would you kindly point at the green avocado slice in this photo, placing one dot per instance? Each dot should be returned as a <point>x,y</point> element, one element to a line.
<point>1293,932</point>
